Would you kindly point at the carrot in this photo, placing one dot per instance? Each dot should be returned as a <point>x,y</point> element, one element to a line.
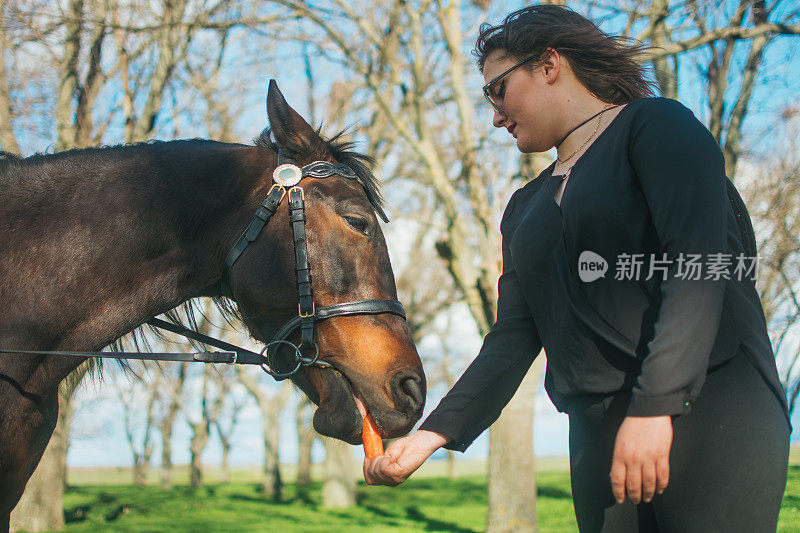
<point>373,445</point>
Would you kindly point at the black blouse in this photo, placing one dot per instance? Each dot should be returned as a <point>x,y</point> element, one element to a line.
<point>577,279</point>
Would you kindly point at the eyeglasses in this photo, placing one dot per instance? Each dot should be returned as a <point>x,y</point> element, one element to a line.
<point>493,97</point>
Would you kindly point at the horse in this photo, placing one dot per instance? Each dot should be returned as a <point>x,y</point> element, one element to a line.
<point>94,242</point>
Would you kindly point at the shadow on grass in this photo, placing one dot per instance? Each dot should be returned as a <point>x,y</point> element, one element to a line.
<point>396,516</point>
<point>424,491</point>
<point>431,524</point>
<point>116,512</point>
<point>76,514</point>
<point>258,499</point>
<point>80,513</point>
<point>553,492</point>
<point>303,495</point>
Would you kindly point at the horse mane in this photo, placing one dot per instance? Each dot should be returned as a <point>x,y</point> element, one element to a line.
<point>187,315</point>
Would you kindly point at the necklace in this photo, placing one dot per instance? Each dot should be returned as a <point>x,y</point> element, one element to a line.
<point>597,127</point>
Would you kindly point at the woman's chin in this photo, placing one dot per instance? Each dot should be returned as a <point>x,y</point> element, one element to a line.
<point>527,145</point>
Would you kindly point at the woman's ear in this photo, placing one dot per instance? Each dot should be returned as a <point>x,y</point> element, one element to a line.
<point>551,65</point>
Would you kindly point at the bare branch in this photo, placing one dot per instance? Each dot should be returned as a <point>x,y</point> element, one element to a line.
<point>8,141</point>
<point>735,33</point>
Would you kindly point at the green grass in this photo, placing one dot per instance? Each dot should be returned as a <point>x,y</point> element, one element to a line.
<point>100,500</point>
<point>427,504</point>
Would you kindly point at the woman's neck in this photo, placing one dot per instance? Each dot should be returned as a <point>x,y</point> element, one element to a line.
<point>582,134</point>
<point>575,105</point>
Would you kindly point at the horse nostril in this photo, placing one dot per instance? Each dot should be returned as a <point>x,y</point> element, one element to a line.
<point>409,390</point>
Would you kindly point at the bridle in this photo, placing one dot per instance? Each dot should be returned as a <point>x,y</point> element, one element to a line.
<point>287,174</point>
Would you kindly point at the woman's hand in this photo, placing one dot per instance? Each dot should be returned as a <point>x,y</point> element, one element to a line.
<point>641,458</point>
<point>402,458</point>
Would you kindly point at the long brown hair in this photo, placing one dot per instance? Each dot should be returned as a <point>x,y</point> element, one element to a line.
<point>605,64</point>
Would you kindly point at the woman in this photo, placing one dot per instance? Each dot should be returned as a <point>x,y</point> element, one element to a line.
<point>678,421</point>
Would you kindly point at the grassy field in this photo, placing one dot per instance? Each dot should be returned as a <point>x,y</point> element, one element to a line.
<point>101,501</point>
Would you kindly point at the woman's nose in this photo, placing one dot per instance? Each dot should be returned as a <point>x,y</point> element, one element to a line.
<point>498,119</point>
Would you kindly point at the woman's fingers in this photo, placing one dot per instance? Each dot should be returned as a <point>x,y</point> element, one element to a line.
<point>662,470</point>
<point>402,458</point>
<point>372,470</point>
<point>649,478</point>
<point>633,482</point>
<point>383,470</point>
<point>639,480</point>
<point>618,475</point>
<point>640,464</point>
<point>389,468</point>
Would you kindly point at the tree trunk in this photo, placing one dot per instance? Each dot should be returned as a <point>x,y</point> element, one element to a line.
<point>196,447</point>
<point>272,484</point>
<point>140,468</point>
<point>512,473</point>
<point>451,464</point>
<point>41,507</point>
<point>305,440</point>
<point>166,426</point>
<point>271,407</point>
<point>68,82</point>
<point>226,465</point>
<point>339,488</point>
<point>166,456</point>
<point>8,141</point>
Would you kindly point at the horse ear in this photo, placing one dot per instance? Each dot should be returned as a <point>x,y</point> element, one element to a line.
<point>288,127</point>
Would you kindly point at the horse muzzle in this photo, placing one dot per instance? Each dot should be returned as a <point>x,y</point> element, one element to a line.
<point>338,415</point>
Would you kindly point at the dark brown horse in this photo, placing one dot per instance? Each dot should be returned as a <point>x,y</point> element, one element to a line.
<point>94,242</point>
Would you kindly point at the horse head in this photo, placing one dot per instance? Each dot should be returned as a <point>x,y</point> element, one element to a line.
<point>372,358</point>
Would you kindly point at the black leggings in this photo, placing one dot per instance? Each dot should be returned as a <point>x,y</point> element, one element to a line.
<point>728,462</point>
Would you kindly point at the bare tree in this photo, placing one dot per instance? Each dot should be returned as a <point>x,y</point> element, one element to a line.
<point>138,429</point>
<point>226,423</point>
<point>339,487</point>
<point>773,195</point>
<point>411,64</point>
<point>8,141</point>
<point>270,406</point>
<point>711,35</point>
<point>306,435</point>
<point>513,464</point>
<point>170,383</point>
<point>41,507</point>
<point>211,404</point>
<point>92,45</point>
<point>446,370</point>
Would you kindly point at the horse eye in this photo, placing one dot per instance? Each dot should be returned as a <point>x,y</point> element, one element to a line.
<point>359,224</point>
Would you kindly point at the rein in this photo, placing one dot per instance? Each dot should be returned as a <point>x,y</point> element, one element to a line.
<point>285,175</point>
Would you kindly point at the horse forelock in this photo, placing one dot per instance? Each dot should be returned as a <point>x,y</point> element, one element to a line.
<point>341,150</point>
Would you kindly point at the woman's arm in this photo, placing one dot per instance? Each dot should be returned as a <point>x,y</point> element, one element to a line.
<point>480,394</point>
<point>681,172</point>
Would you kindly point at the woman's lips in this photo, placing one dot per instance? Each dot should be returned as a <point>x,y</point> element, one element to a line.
<point>511,130</point>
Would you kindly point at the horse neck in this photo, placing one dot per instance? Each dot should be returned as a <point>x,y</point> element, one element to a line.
<point>121,235</point>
